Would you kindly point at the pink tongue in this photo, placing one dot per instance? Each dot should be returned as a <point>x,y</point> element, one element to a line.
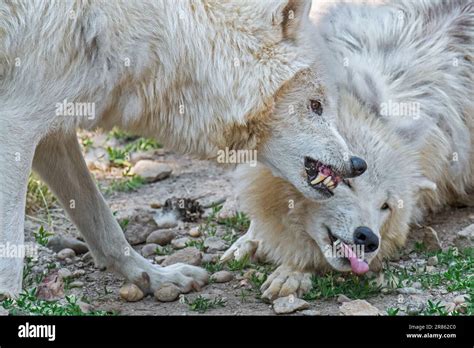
<point>358,266</point>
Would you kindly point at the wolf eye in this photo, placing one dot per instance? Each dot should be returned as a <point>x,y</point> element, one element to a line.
<point>385,206</point>
<point>316,107</point>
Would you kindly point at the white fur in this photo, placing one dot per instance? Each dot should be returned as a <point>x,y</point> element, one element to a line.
<point>198,75</point>
<point>411,162</point>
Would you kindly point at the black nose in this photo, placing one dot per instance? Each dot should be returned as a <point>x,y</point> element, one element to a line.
<point>364,236</point>
<point>358,166</point>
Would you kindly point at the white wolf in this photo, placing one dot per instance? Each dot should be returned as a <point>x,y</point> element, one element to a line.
<point>405,73</point>
<point>201,76</point>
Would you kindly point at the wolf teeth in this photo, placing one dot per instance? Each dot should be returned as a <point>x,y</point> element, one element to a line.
<point>318,179</point>
<point>327,181</point>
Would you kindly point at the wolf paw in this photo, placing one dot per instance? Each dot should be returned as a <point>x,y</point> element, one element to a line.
<point>185,277</point>
<point>284,282</point>
<point>243,247</point>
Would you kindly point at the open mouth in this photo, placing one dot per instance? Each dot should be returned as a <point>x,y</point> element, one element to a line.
<point>349,256</point>
<point>321,176</point>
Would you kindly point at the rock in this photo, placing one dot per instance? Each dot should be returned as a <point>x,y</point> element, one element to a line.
<point>58,243</point>
<point>343,298</point>
<point>409,291</point>
<point>166,219</point>
<point>210,258</point>
<point>430,269</point>
<point>414,308</point>
<point>66,253</point>
<point>417,285</point>
<point>167,293</point>
<point>161,237</point>
<point>76,284</point>
<point>195,232</point>
<point>432,261</point>
<point>471,216</point>
<point>459,299</point>
<point>64,273</point>
<point>310,312</point>
<point>151,171</point>
<point>180,243</point>
<point>222,277</point>
<point>289,304</point>
<point>85,307</point>
<point>465,238</point>
<point>191,256</point>
<point>131,293</point>
<point>78,273</point>
<point>143,155</point>
<point>358,307</point>
<point>3,312</point>
<point>139,227</point>
<point>149,249</point>
<point>431,240</point>
<point>213,244</point>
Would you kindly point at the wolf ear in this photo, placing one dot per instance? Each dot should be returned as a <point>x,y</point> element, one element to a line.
<point>292,17</point>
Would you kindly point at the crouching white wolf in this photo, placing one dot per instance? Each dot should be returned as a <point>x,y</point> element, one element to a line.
<point>405,73</point>
<point>201,76</point>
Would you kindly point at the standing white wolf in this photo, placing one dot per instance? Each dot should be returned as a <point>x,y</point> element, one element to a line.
<point>201,76</point>
<point>405,74</point>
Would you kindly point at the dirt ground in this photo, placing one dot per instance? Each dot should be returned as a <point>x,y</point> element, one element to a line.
<point>208,183</point>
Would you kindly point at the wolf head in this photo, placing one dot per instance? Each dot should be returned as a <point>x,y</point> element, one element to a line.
<point>370,214</point>
<point>304,146</point>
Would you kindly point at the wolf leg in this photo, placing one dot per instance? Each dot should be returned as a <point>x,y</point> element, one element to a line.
<point>16,155</point>
<point>285,281</point>
<point>58,160</point>
<point>245,246</point>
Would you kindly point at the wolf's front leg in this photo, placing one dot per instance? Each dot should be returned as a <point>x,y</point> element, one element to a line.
<point>16,155</point>
<point>285,281</point>
<point>245,246</point>
<point>59,162</point>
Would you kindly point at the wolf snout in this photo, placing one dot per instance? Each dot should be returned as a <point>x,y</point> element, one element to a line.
<point>358,166</point>
<point>365,237</point>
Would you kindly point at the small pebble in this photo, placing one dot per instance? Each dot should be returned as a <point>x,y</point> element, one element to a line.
<point>66,253</point>
<point>222,277</point>
<point>76,284</point>
<point>167,293</point>
<point>64,273</point>
<point>149,249</point>
<point>180,243</point>
<point>459,299</point>
<point>432,261</point>
<point>343,298</point>
<point>195,232</point>
<point>131,293</point>
<point>310,312</point>
<point>409,291</point>
<point>289,304</point>
<point>78,273</point>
